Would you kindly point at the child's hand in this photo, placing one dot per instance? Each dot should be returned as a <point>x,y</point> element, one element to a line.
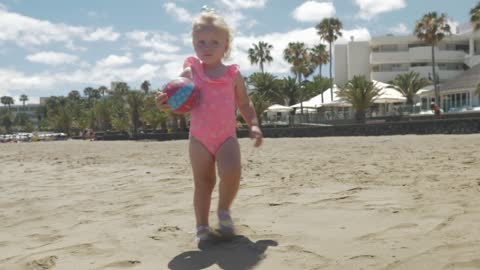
<point>256,134</point>
<point>161,101</point>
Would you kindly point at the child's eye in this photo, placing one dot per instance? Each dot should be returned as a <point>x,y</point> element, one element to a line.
<point>201,42</point>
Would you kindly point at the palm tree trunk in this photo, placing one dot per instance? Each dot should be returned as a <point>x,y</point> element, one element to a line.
<point>437,92</point>
<point>331,80</point>
<point>261,66</point>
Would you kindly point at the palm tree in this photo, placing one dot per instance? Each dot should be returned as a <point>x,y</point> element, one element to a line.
<point>260,103</point>
<point>92,96</point>
<point>329,30</point>
<point>260,54</point>
<point>360,93</point>
<point>145,86</point>
<point>408,84</point>
<point>74,95</point>
<point>151,114</point>
<point>6,121</point>
<point>23,99</point>
<point>7,101</point>
<point>135,104</point>
<point>475,17</point>
<point>319,56</point>
<point>267,84</point>
<point>432,29</point>
<point>316,87</point>
<point>296,54</point>
<point>103,89</point>
<point>290,91</point>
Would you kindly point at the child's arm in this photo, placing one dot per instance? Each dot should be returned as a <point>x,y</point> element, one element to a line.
<point>247,110</point>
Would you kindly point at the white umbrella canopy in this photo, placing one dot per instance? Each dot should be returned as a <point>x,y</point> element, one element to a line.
<point>388,94</point>
<point>306,104</point>
<point>278,108</point>
<point>337,103</point>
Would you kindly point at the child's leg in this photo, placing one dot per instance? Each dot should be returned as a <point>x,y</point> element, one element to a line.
<point>203,167</point>
<point>229,169</point>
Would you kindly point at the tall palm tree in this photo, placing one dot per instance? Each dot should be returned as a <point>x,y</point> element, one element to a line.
<point>260,54</point>
<point>475,17</point>
<point>296,54</point>
<point>360,93</point>
<point>319,56</point>
<point>23,99</point>
<point>74,95</point>
<point>408,84</point>
<point>431,29</point>
<point>7,101</point>
<point>92,95</point>
<point>103,90</point>
<point>329,30</point>
<point>145,86</point>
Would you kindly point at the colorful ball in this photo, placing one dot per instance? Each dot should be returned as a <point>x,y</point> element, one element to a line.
<point>182,95</point>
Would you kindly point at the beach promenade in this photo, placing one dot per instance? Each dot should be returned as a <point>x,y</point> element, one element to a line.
<point>387,202</point>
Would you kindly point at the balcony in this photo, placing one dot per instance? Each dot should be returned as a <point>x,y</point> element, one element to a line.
<point>385,76</point>
<point>424,54</point>
<point>416,54</point>
<point>389,57</point>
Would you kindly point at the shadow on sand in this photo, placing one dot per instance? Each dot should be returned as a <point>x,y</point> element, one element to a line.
<point>238,254</point>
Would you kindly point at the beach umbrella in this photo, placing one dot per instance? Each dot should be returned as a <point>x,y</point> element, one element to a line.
<point>278,108</point>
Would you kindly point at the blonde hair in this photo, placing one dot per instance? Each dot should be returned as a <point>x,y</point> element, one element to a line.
<point>210,18</point>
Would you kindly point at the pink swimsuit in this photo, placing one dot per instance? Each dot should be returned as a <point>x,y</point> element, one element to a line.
<point>213,119</point>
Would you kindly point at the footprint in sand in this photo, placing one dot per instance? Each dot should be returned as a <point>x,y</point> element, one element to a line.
<point>121,264</point>
<point>43,263</point>
<point>164,229</point>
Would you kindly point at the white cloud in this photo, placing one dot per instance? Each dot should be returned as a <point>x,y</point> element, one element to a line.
<point>162,42</point>
<point>454,26</point>
<point>371,8</point>
<point>179,13</point>
<point>243,4</point>
<point>26,31</point>
<point>399,29</point>
<point>52,58</point>
<point>106,34</point>
<point>162,57</point>
<point>313,11</point>
<point>114,61</point>
<point>49,83</point>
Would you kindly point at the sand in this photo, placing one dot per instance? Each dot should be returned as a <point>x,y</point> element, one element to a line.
<point>391,202</point>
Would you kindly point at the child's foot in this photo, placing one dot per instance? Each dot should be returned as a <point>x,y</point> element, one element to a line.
<point>226,227</point>
<point>206,237</point>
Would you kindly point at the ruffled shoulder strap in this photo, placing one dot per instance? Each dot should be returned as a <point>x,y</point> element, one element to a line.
<point>233,70</point>
<point>192,62</point>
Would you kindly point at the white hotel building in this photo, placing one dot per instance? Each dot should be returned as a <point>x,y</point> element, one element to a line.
<point>383,58</point>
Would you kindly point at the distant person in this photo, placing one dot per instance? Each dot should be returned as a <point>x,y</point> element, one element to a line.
<point>436,110</point>
<point>213,137</point>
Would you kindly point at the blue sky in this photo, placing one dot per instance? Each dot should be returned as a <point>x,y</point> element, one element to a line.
<point>51,47</point>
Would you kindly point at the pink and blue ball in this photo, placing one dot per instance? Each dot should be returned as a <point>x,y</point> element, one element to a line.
<point>182,95</point>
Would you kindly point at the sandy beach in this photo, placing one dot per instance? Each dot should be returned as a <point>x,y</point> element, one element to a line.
<point>391,202</point>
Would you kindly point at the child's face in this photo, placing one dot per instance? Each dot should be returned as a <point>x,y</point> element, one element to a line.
<point>210,44</point>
